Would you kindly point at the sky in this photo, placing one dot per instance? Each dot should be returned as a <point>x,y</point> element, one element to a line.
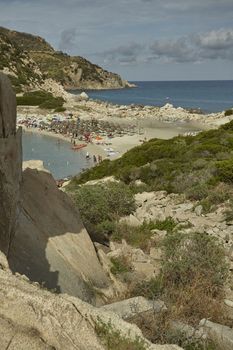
<point>138,39</point>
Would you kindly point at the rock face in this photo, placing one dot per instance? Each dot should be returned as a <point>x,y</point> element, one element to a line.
<point>51,246</point>
<point>32,318</point>
<point>10,164</point>
<point>49,243</point>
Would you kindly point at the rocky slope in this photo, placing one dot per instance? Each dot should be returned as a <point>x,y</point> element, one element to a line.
<point>43,237</point>
<point>32,318</point>
<point>29,61</point>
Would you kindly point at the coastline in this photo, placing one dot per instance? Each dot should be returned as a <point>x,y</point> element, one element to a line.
<point>149,122</point>
<point>120,145</point>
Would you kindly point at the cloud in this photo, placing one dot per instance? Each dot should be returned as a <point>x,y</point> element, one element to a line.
<point>216,40</point>
<point>216,44</point>
<point>193,48</point>
<point>178,50</point>
<point>123,54</point>
<point>67,39</point>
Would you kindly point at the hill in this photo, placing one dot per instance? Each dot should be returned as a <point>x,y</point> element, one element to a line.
<point>29,60</point>
<point>200,167</point>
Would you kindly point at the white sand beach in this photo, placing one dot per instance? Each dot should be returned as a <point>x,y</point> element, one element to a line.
<point>117,146</point>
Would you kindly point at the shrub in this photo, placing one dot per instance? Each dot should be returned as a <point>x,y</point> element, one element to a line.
<point>55,102</point>
<point>191,283</point>
<point>192,277</point>
<point>112,339</point>
<point>168,225</point>
<point>120,265</point>
<point>228,112</point>
<point>101,205</point>
<point>178,165</point>
<point>227,126</point>
<point>151,289</point>
<point>42,99</point>
<point>158,329</point>
<point>225,170</point>
<point>138,237</point>
<point>195,255</point>
<point>60,109</point>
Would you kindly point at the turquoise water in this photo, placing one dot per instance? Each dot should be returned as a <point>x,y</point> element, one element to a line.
<point>209,96</point>
<point>56,154</point>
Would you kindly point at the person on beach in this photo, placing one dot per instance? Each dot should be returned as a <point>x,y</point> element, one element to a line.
<point>94,159</point>
<point>87,156</point>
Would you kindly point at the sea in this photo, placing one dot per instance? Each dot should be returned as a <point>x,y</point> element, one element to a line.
<point>208,96</point>
<point>56,154</point>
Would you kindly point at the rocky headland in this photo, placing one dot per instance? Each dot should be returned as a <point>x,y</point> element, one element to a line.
<point>31,63</point>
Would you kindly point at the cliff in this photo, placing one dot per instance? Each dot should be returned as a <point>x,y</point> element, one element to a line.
<point>29,60</point>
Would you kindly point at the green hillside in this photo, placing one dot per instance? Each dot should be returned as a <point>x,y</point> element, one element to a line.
<point>29,59</point>
<point>199,166</point>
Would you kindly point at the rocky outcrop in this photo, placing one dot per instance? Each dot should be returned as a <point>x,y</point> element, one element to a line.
<point>221,335</point>
<point>32,318</point>
<point>134,306</point>
<point>10,165</point>
<point>51,246</point>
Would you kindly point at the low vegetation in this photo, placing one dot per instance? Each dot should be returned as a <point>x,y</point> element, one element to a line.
<point>112,339</point>
<point>42,99</point>
<point>191,283</point>
<point>193,267</point>
<point>101,206</point>
<point>196,166</point>
<point>140,236</point>
<point>120,265</point>
<point>228,112</point>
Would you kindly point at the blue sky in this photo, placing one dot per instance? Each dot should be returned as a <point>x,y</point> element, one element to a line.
<point>139,39</point>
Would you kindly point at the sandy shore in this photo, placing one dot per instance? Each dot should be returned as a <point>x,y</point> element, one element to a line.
<point>119,145</point>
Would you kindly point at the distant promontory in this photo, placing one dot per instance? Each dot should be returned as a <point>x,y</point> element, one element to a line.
<point>29,61</point>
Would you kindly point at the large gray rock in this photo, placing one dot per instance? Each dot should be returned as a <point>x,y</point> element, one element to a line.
<point>51,245</point>
<point>10,164</point>
<point>221,335</point>
<point>134,306</point>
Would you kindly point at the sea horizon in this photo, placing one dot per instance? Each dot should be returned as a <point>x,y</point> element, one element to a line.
<point>209,96</point>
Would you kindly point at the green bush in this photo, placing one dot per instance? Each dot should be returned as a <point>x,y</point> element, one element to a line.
<point>120,265</point>
<point>189,165</point>
<point>168,225</point>
<point>140,236</point>
<point>100,205</point>
<point>225,170</point>
<point>151,289</point>
<point>228,112</point>
<point>187,257</point>
<point>60,109</point>
<point>227,126</point>
<point>55,102</point>
<point>42,99</point>
<point>113,340</point>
